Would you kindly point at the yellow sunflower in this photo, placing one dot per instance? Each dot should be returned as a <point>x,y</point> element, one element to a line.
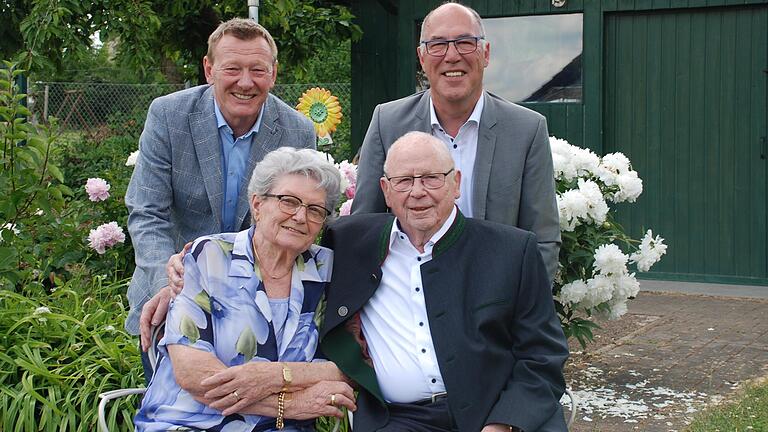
<point>323,108</point>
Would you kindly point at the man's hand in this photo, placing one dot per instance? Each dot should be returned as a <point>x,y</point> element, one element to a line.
<point>175,270</point>
<point>153,314</point>
<point>498,428</point>
<point>315,401</point>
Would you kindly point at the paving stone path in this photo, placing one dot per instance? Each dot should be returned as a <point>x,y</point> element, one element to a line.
<point>668,358</point>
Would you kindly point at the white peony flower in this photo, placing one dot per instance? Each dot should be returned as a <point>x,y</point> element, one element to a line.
<point>649,252</point>
<point>132,158</point>
<point>630,187</point>
<point>627,286</point>
<point>599,290</point>
<point>573,292</point>
<point>572,206</point>
<point>609,260</point>
<point>617,163</point>
<point>584,161</point>
<point>597,208</point>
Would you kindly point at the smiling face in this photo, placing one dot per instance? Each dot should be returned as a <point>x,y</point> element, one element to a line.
<point>420,211</point>
<point>293,233</point>
<point>454,78</point>
<point>242,73</point>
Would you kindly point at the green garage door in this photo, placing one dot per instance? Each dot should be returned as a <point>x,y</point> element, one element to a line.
<point>685,99</point>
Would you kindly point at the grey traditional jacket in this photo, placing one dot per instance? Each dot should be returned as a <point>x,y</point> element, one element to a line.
<point>176,190</point>
<point>513,178</point>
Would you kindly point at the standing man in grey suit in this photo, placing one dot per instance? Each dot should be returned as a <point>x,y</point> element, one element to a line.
<point>446,323</point>
<point>501,149</point>
<point>197,152</point>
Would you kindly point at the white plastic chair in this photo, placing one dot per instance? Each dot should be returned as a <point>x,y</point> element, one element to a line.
<point>574,407</point>
<point>116,394</point>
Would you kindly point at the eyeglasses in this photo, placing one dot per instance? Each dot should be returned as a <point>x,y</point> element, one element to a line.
<point>464,45</point>
<point>290,204</point>
<point>429,181</point>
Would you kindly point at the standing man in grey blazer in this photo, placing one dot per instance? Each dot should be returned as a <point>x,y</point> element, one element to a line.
<point>197,151</point>
<point>501,149</point>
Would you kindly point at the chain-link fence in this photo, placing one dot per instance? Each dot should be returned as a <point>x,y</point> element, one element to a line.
<point>122,108</point>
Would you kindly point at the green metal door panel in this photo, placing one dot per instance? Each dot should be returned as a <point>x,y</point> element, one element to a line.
<point>685,99</point>
<point>564,120</point>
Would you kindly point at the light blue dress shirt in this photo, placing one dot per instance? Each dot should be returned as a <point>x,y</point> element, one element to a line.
<point>236,152</point>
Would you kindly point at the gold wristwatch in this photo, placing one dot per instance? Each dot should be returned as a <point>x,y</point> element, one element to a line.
<point>287,377</point>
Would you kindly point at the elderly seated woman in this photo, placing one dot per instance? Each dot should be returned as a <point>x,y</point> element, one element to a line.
<point>241,337</point>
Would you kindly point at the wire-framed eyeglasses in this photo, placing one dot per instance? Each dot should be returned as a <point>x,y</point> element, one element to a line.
<point>429,181</point>
<point>290,204</point>
<point>464,45</point>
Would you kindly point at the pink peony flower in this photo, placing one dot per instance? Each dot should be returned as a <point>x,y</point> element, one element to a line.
<point>345,208</point>
<point>105,236</point>
<point>349,171</point>
<point>98,189</point>
<point>350,192</point>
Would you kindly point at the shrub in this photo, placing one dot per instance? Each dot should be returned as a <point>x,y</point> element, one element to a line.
<point>58,351</point>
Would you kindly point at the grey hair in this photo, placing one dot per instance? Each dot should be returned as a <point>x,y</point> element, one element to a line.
<point>287,161</point>
<point>475,16</point>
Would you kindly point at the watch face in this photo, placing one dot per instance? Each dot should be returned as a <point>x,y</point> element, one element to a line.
<point>287,377</point>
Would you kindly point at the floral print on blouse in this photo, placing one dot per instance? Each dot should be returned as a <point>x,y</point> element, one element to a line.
<point>223,309</point>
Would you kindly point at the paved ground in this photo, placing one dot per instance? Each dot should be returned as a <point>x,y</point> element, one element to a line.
<point>670,356</point>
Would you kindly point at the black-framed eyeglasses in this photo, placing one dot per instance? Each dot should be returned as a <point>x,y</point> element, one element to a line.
<point>290,204</point>
<point>429,181</point>
<point>464,45</point>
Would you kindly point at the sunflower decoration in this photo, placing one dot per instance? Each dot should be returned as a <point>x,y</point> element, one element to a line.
<point>323,108</point>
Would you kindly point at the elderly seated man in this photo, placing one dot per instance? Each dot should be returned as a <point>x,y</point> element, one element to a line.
<point>447,323</point>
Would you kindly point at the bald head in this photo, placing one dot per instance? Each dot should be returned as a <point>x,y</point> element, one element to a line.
<point>420,185</point>
<point>437,13</point>
<point>422,144</point>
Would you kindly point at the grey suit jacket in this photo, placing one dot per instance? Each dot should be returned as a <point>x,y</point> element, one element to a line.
<point>499,344</point>
<point>176,190</point>
<point>513,178</point>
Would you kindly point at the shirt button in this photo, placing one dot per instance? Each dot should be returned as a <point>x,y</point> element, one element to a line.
<point>418,258</point>
<point>434,380</point>
<point>421,324</point>
<point>418,289</point>
<point>424,350</point>
<point>455,146</point>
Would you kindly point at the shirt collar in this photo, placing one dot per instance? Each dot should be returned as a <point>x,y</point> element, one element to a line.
<point>474,117</point>
<point>243,259</point>
<point>221,122</point>
<point>396,231</point>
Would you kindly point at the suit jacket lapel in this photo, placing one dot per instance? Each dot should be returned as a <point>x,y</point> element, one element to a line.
<point>423,114</point>
<point>264,141</point>
<point>486,144</point>
<point>205,136</point>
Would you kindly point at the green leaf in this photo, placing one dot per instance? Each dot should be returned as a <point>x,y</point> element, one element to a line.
<point>246,343</point>
<point>189,329</point>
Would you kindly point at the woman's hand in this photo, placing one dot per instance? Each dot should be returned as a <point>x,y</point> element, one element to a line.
<point>315,401</point>
<point>236,387</point>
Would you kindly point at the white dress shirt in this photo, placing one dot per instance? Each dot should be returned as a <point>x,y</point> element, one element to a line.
<point>463,148</point>
<point>395,322</point>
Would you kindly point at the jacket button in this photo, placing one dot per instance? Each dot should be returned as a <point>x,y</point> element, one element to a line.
<point>374,277</point>
<point>343,311</point>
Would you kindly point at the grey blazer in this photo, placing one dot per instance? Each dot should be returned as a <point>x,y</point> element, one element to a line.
<point>176,190</point>
<point>513,177</point>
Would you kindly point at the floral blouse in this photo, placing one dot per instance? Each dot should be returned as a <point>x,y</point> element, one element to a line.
<point>223,309</point>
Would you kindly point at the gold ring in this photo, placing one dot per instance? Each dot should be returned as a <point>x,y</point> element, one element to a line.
<point>333,399</point>
<point>237,396</point>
